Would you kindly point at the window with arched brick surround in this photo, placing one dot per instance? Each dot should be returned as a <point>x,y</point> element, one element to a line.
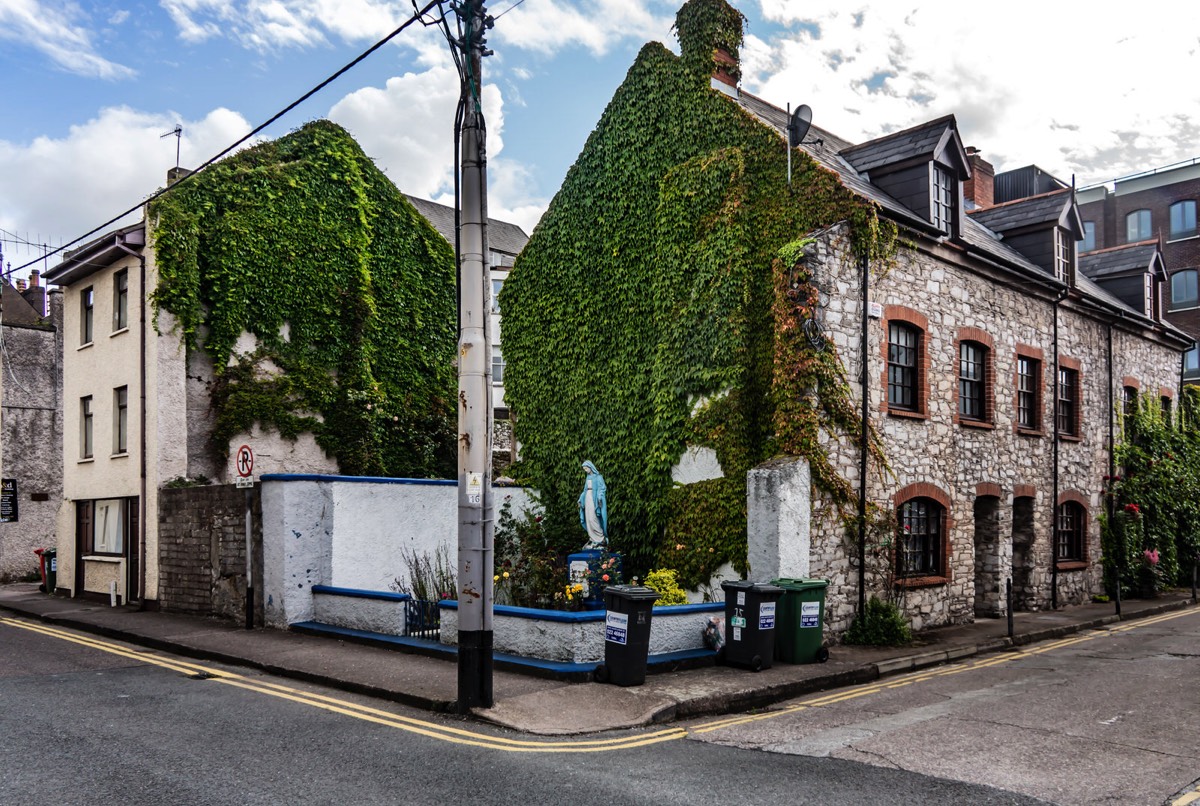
<point>922,555</point>
<point>1068,409</point>
<point>974,391</point>
<point>1071,531</point>
<point>1028,394</point>
<point>905,377</point>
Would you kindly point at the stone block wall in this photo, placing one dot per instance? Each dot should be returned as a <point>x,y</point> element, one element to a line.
<point>989,464</point>
<point>202,551</point>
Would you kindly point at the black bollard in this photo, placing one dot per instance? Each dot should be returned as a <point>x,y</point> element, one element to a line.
<point>1009,601</point>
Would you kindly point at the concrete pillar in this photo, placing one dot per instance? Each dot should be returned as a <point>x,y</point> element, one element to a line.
<point>778,514</point>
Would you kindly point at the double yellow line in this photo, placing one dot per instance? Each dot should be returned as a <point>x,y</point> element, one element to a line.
<point>421,727</point>
<point>448,733</point>
<point>941,671</point>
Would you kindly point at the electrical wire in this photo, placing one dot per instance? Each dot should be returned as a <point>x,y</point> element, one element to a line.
<point>418,15</point>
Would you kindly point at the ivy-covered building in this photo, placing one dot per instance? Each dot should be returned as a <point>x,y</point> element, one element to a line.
<point>289,298</point>
<point>683,316</point>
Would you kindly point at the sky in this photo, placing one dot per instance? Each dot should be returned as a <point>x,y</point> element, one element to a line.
<point>88,89</point>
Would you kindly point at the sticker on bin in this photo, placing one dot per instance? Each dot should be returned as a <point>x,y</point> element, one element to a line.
<point>616,628</point>
<point>737,633</point>
<point>737,621</point>
<point>810,614</point>
<point>766,616</point>
<point>741,597</point>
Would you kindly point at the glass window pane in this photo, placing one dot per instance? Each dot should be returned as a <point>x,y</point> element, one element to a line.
<point>109,526</point>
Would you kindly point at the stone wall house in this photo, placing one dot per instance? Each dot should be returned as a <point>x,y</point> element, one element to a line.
<point>30,422</point>
<point>989,364</point>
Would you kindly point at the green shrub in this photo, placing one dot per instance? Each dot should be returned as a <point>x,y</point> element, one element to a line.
<point>880,624</point>
<point>664,583</point>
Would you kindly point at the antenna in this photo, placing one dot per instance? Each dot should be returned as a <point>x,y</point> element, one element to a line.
<point>178,132</point>
<point>797,126</point>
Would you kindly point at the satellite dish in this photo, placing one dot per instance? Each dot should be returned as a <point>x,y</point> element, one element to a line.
<point>798,125</point>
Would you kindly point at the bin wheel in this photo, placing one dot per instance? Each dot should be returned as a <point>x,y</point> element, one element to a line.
<point>601,674</point>
<point>822,654</point>
<point>756,663</point>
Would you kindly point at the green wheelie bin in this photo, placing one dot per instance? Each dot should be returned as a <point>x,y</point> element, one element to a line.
<point>800,635</point>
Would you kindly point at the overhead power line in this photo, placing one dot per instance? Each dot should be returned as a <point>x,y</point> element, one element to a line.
<point>418,14</point>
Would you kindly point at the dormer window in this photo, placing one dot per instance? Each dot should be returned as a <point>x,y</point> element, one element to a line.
<point>1148,288</point>
<point>942,207</point>
<point>1062,255</point>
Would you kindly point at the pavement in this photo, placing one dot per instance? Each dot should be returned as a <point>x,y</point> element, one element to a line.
<point>554,707</point>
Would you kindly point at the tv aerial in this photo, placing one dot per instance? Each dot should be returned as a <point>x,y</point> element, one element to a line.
<point>178,133</point>
<point>798,125</point>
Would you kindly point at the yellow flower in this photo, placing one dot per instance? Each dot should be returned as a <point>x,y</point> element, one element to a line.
<point>496,579</point>
<point>506,575</point>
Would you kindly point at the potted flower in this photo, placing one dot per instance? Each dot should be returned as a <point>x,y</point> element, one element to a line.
<point>1149,574</point>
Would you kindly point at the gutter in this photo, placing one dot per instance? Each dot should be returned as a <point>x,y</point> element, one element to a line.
<point>864,262</point>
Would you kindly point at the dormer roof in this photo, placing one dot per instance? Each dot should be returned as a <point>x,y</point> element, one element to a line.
<point>1128,259</point>
<point>1056,208</point>
<point>935,140</point>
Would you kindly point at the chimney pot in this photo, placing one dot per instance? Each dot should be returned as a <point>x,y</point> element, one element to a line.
<point>980,188</point>
<point>34,278</point>
<point>20,285</point>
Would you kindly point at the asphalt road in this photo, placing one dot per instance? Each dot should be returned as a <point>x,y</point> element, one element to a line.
<point>87,721</point>
<point>1107,716</point>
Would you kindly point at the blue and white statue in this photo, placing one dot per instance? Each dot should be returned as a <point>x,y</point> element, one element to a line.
<point>593,508</point>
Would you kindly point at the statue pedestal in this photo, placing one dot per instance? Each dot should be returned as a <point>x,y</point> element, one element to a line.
<point>583,568</point>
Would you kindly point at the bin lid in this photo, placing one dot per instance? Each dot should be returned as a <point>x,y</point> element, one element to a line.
<point>633,592</point>
<point>747,585</point>
<point>800,584</point>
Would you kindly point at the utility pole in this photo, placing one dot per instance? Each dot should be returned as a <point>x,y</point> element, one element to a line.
<point>475,506</point>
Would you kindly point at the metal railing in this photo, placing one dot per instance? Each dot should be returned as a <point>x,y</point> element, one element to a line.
<point>422,619</point>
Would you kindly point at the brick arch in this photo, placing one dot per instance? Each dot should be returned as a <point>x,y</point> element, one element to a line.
<point>985,489</point>
<point>979,336</point>
<point>1131,382</point>
<point>1024,491</point>
<point>1076,497</point>
<point>976,334</point>
<point>921,489</point>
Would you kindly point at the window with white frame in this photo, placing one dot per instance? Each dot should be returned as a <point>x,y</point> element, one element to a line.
<point>121,420</point>
<point>942,209</point>
<point>86,421</point>
<point>1148,294</point>
<point>87,310</point>
<point>1062,255</point>
<point>121,300</point>
<point>497,365</point>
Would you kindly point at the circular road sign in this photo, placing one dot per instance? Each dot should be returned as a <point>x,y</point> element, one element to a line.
<point>245,461</point>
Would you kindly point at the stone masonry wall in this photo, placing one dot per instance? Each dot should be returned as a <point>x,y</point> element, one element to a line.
<point>936,455</point>
<point>202,551</point>
<point>31,441</point>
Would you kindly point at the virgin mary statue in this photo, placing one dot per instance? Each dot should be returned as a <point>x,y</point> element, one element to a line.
<point>593,508</point>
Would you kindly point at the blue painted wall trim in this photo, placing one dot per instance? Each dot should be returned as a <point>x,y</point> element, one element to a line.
<point>580,616</point>
<point>355,479</point>
<point>356,593</point>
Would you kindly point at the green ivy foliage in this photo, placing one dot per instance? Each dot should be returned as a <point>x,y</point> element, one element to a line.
<point>304,243</point>
<point>1158,488</point>
<point>638,319</point>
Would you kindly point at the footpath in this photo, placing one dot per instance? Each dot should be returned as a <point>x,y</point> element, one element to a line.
<point>555,707</point>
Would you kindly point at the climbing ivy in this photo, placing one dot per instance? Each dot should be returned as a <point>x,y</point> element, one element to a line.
<point>638,320</point>
<point>349,292</point>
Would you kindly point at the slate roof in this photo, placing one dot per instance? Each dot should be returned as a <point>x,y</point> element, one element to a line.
<point>911,144</point>
<point>975,235</point>
<point>14,308</point>
<point>502,236</point>
<point>1044,209</point>
<point>1134,258</point>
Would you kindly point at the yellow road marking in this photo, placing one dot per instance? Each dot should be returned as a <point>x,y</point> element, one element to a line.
<point>1190,797</point>
<point>447,733</point>
<point>426,728</point>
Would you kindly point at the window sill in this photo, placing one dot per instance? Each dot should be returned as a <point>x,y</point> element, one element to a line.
<point>119,331</point>
<point>1190,237</point>
<point>1072,565</point>
<point>1183,307</point>
<point>84,346</point>
<point>103,558</point>
<point>120,455</point>
<point>87,460</point>
<point>921,582</point>
<point>1070,438</point>
<point>910,415</point>
<point>1030,432</point>
<point>976,424</point>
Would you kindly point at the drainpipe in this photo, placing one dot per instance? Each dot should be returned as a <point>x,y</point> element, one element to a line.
<point>1112,464</point>
<point>1054,472</point>
<point>862,441</point>
<point>141,421</point>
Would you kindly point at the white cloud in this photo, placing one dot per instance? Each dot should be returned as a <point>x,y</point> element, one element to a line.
<point>549,26</point>
<point>272,24</point>
<point>1093,94</point>
<point>60,34</point>
<point>102,167</point>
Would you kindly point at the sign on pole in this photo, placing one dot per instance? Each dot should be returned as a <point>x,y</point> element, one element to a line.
<point>245,461</point>
<point>8,501</point>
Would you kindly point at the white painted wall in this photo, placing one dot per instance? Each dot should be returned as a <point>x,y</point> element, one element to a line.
<point>351,532</point>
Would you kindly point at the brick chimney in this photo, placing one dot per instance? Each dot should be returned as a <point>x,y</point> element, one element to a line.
<point>175,174</point>
<point>726,72</point>
<point>979,190</point>
<point>21,284</point>
<point>35,293</point>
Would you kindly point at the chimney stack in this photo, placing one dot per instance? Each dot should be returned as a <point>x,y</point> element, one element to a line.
<point>21,285</point>
<point>35,277</point>
<point>726,72</point>
<point>980,188</point>
<point>175,174</point>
